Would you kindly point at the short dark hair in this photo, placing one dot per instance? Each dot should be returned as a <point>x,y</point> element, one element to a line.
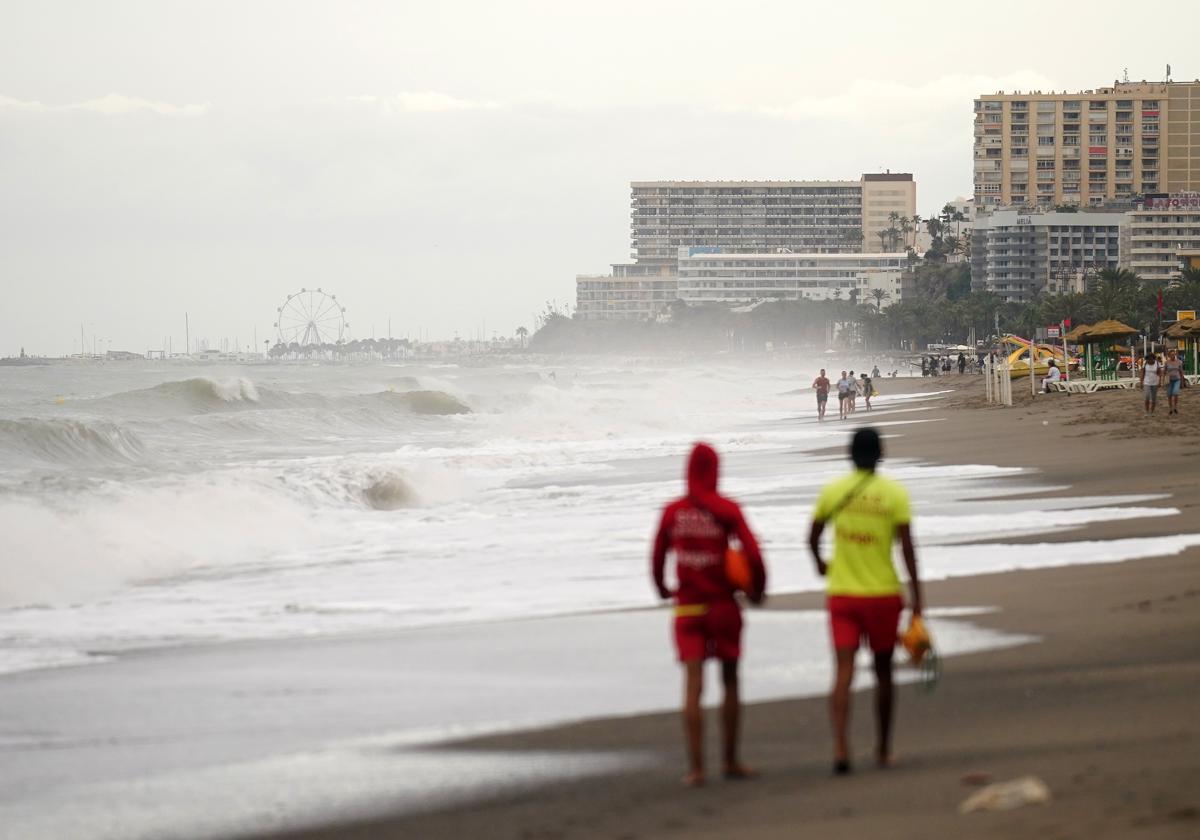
<point>866,448</point>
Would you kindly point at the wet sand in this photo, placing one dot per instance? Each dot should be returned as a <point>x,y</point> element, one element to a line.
<point>1103,708</point>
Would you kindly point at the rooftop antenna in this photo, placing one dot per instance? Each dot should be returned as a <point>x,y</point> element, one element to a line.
<point>1168,72</point>
<point>1126,79</point>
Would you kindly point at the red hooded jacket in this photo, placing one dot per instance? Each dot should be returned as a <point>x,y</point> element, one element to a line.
<point>697,527</point>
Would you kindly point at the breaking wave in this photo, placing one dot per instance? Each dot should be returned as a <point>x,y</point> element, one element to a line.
<point>203,395</point>
<point>197,395</point>
<point>422,402</point>
<point>59,441</point>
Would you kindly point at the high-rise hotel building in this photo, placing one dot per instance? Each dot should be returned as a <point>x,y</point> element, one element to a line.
<point>1087,148</point>
<point>764,217</point>
<point>675,220</point>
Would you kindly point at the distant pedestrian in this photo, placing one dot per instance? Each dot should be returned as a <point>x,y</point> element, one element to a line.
<point>843,386</point>
<point>821,386</point>
<point>853,398</point>
<point>1173,368</point>
<point>962,364</point>
<point>868,390</point>
<point>1151,372</point>
<point>875,372</point>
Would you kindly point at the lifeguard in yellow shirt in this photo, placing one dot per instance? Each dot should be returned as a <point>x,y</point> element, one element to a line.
<point>868,512</point>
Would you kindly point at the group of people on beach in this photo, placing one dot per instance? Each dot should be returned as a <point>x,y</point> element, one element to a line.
<point>849,389</point>
<point>1153,371</point>
<point>868,513</point>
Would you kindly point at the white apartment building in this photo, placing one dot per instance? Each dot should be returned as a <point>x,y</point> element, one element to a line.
<point>1018,253</point>
<point>1164,230</point>
<point>630,293</point>
<point>674,219</point>
<point>745,278</point>
<point>758,217</point>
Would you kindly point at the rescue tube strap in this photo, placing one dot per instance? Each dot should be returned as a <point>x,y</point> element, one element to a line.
<point>690,610</point>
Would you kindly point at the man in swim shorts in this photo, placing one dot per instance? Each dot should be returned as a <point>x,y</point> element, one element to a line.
<point>821,386</point>
<point>697,529</point>
<point>868,512</point>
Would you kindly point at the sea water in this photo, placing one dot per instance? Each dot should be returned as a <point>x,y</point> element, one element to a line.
<point>427,514</point>
<point>158,504</point>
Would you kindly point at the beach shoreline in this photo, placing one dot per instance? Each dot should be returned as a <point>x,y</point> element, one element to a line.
<point>1101,708</point>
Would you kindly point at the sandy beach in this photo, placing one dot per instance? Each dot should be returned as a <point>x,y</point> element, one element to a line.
<point>1102,708</point>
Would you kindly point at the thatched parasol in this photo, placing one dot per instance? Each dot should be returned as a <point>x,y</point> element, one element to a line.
<point>1182,329</point>
<point>1077,333</point>
<point>1105,330</point>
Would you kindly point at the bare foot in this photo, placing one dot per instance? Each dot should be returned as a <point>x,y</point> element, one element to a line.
<point>694,779</point>
<point>740,772</point>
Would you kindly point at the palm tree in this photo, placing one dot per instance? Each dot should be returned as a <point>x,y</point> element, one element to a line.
<point>854,239</point>
<point>521,334</point>
<point>883,240</point>
<point>916,227</point>
<point>1113,293</point>
<point>894,238</point>
<point>880,296</point>
<point>905,228</point>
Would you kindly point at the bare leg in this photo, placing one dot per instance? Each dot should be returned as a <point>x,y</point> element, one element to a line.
<point>884,707</point>
<point>839,708</point>
<point>731,711</point>
<point>693,722</point>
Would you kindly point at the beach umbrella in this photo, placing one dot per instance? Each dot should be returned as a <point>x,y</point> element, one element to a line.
<point>1180,329</point>
<point>1074,335</point>
<point>1106,330</point>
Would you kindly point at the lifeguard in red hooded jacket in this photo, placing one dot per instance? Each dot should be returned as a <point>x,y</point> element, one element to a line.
<point>698,528</point>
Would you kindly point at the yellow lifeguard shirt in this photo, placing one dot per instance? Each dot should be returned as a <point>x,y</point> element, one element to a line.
<point>863,532</point>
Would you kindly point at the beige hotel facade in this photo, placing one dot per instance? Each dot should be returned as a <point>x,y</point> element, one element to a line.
<point>1089,148</point>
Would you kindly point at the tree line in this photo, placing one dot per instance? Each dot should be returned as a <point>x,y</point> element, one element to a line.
<point>938,306</point>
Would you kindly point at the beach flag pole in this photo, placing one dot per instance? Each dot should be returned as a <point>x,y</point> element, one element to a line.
<point>1032,374</point>
<point>1066,371</point>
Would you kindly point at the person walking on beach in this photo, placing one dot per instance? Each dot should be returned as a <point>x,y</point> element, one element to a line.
<point>821,386</point>
<point>843,386</point>
<point>698,528</point>
<point>867,388</point>
<point>875,372</point>
<point>1173,369</point>
<point>962,363</point>
<point>851,394</point>
<point>868,512</point>
<point>1151,370</point>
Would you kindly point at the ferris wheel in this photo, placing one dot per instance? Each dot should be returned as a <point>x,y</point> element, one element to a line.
<point>311,316</point>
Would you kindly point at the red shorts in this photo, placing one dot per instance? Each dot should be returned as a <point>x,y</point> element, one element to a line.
<point>875,616</point>
<point>704,630</point>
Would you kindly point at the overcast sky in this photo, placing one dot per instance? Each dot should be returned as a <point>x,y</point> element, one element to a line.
<point>452,166</point>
